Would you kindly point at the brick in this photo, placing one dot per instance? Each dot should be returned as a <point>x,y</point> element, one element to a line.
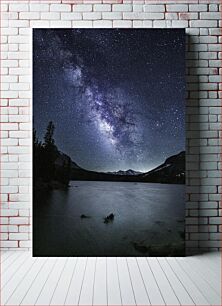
<point>82,24</point>
<point>122,7</point>
<point>19,86</point>
<point>53,16</point>
<point>19,118</point>
<point>25,244</point>
<point>19,181</point>
<point>112,15</point>
<point>8,244</point>
<point>214,63</point>
<point>25,94</point>
<point>24,79</point>
<point>24,157</point>
<point>9,126</point>
<point>19,71</point>
<point>4,71</point>
<point>71,16</point>
<point>13,158</point>
<point>24,229</point>
<point>209,228</point>
<point>180,23</point>
<point>4,102</point>
<point>38,24</point>
<point>162,23</point>
<point>7,16</point>
<point>177,8</point>
<point>215,220</point>
<point>37,7</point>
<point>18,55</point>
<point>135,15</point>
<point>18,150</point>
<point>82,8</point>
<point>198,7</point>
<point>215,31</point>
<point>208,212</point>
<point>215,236</point>
<point>208,39</point>
<point>4,220</point>
<point>102,24</point>
<point>9,31</point>
<point>9,173</point>
<point>213,7</point>
<point>19,220</point>
<point>102,7</point>
<point>137,7</point>
<point>154,8</point>
<point>216,16</point>
<point>9,63</point>
<point>191,220</point>
<point>204,31</point>
<point>60,8</point>
<point>9,142</point>
<point>199,236</point>
<point>18,23</point>
<point>25,46</point>
<point>18,7</point>
<point>4,118</point>
<point>122,23</point>
<point>60,24</point>
<point>4,181</point>
<point>24,165</point>
<point>208,205</point>
<point>19,102</point>
<point>13,47</point>
<point>24,189</point>
<point>4,7</point>
<point>29,15</point>
<point>18,236</point>
<point>208,165</point>
<point>8,228</point>
<point>92,15</point>
<point>4,236</point>
<point>147,24</point>
<point>171,16</point>
<point>9,212</point>
<point>188,16</point>
<point>24,212</point>
<point>9,94</point>
<point>214,197</point>
<point>203,23</point>
<point>138,23</point>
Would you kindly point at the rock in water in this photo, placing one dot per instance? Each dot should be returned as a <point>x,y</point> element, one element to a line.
<point>84,216</point>
<point>109,218</point>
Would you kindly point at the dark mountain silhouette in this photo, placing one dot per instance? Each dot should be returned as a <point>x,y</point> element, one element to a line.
<point>63,158</point>
<point>172,171</point>
<point>127,172</point>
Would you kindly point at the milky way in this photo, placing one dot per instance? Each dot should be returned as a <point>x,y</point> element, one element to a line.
<point>116,97</point>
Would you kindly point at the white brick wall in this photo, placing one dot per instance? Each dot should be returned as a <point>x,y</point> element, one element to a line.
<point>201,20</point>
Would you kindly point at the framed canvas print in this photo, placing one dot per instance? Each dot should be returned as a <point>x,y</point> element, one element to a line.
<point>108,142</point>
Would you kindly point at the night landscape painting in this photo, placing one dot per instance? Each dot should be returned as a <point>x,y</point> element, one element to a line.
<point>108,142</point>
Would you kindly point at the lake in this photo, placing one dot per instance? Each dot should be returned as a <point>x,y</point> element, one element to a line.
<point>149,220</point>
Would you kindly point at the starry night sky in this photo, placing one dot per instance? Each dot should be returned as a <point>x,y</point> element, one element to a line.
<point>116,96</point>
